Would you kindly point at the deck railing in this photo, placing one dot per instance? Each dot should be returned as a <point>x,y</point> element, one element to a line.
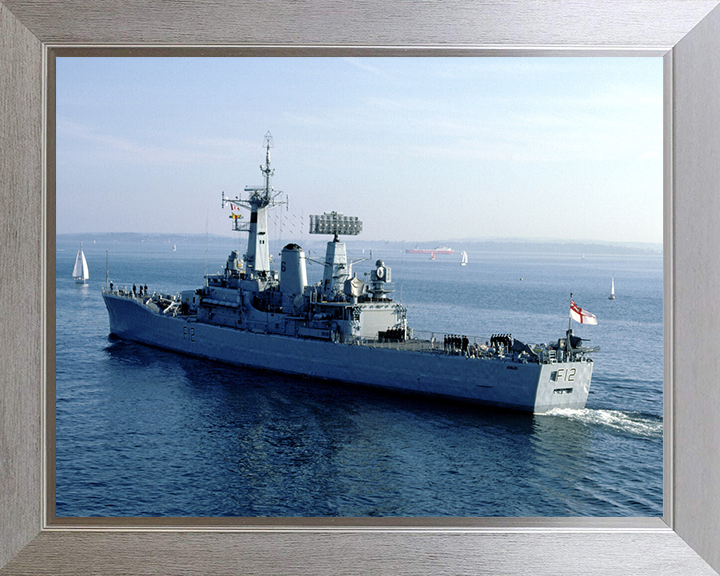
<point>425,341</point>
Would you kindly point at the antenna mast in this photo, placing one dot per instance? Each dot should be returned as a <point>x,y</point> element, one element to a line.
<point>259,200</point>
<point>266,170</point>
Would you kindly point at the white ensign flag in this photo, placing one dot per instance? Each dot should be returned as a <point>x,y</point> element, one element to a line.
<point>580,315</point>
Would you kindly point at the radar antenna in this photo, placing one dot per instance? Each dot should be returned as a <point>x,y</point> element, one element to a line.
<point>335,223</point>
<point>337,270</point>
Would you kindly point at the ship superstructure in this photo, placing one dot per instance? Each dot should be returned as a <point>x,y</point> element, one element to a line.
<point>343,328</point>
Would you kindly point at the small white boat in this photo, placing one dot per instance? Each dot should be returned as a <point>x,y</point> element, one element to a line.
<point>612,290</point>
<point>463,260</point>
<point>174,248</point>
<point>80,272</point>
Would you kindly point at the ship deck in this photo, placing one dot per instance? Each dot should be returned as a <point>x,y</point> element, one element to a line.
<point>425,342</point>
<point>407,345</point>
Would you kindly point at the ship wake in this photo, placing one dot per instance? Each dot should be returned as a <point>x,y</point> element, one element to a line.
<point>635,423</point>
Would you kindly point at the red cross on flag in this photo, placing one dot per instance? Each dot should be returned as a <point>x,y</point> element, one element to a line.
<point>580,315</point>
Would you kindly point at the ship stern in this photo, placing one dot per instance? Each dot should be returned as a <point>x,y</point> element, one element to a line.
<point>563,385</point>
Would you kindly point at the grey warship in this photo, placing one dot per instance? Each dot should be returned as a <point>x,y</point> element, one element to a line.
<point>342,329</point>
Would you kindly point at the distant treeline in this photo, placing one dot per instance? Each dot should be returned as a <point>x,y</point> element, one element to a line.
<point>134,237</point>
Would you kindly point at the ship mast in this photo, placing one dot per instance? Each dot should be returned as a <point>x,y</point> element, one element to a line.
<point>337,269</point>
<point>260,199</point>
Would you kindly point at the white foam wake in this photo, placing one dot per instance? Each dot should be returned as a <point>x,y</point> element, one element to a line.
<point>625,422</point>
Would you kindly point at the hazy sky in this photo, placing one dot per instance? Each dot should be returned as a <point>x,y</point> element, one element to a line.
<point>420,149</point>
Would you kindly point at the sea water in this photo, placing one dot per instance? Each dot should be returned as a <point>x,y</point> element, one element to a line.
<point>145,432</point>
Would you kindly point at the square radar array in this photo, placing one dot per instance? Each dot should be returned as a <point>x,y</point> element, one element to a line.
<point>335,223</point>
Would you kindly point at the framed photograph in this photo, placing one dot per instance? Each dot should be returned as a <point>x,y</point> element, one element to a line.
<point>509,171</point>
<point>684,539</point>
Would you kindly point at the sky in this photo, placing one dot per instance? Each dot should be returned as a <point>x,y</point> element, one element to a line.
<point>420,149</point>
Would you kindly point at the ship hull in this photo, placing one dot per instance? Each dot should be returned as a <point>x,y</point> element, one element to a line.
<point>497,382</point>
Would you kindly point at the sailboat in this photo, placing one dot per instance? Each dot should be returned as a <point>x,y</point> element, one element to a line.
<point>463,261</point>
<point>80,272</point>
<point>612,290</point>
<point>174,248</point>
<point>432,256</point>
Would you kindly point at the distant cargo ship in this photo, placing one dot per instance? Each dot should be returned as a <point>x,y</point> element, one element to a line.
<point>438,250</point>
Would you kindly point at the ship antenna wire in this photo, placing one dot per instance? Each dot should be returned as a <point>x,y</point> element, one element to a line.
<point>206,246</point>
<point>402,262</point>
<point>569,343</point>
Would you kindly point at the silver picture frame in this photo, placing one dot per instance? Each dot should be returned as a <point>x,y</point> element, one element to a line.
<point>686,540</point>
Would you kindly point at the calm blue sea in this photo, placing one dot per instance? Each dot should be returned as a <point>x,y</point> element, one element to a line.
<point>143,432</point>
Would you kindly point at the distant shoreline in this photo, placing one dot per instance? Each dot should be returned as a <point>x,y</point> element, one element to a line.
<point>508,245</point>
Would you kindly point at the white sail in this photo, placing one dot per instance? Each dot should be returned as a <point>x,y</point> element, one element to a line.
<point>612,289</point>
<point>80,271</point>
<point>464,260</point>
